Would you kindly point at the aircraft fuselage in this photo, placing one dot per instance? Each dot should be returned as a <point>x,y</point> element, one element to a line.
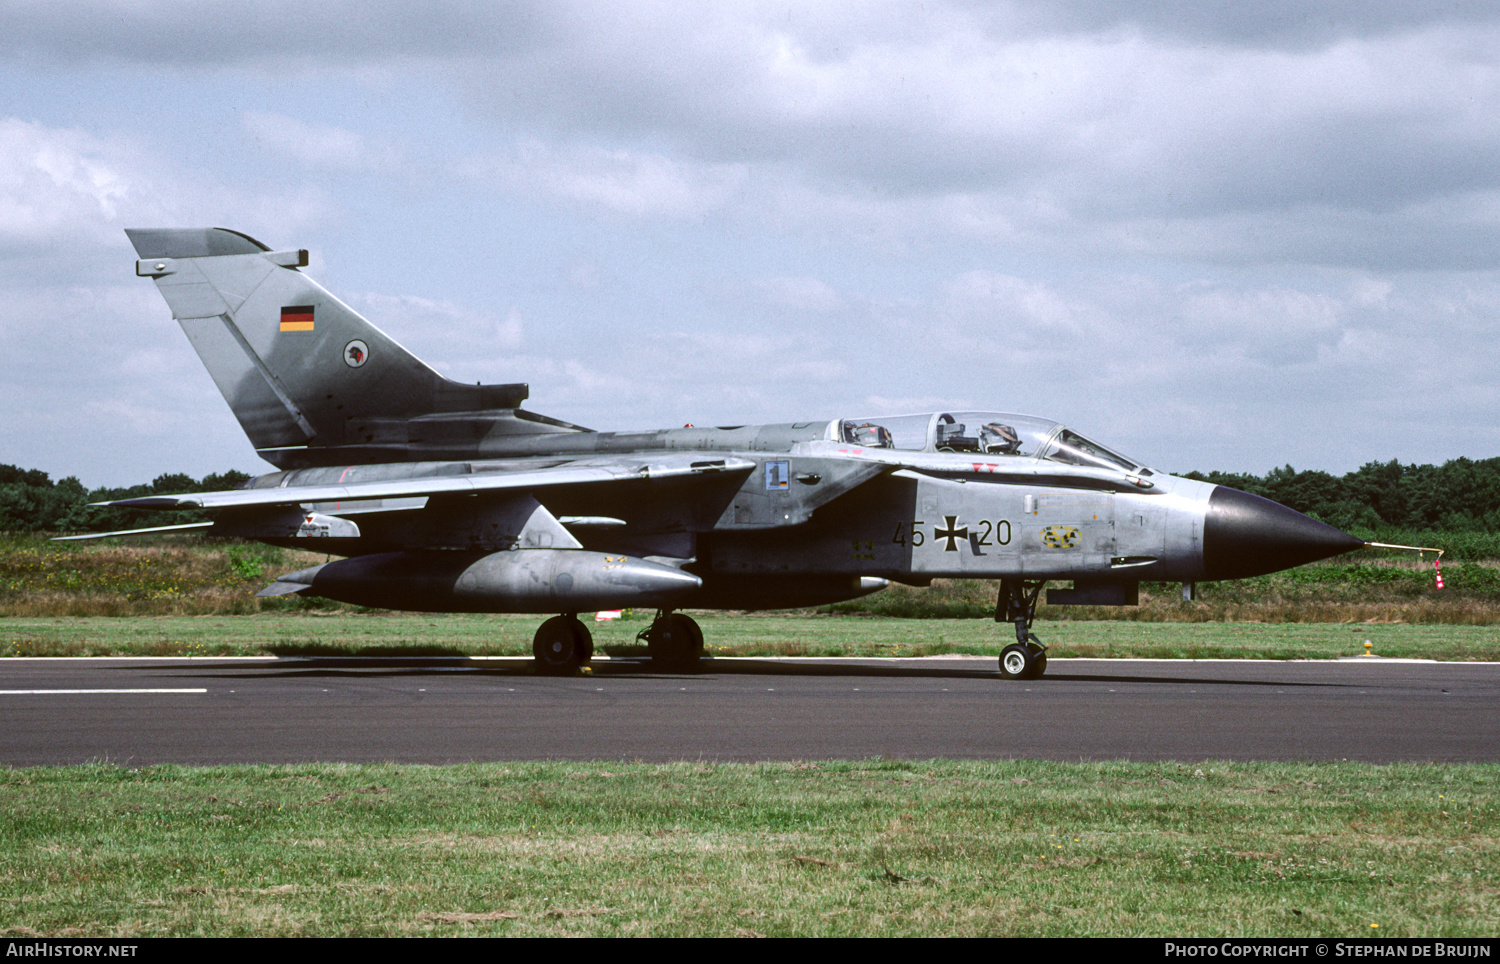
<point>817,520</point>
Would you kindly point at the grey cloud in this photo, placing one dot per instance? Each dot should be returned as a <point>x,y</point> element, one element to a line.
<point>1286,24</point>
<point>323,34</point>
<point>1057,135</point>
<point>1067,124</point>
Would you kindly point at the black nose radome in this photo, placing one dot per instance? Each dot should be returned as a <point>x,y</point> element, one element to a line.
<point>1245,535</point>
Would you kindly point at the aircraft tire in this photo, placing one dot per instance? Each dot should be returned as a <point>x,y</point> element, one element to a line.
<point>1017,662</point>
<point>695,634</point>
<point>675,642</point>
<point>584,639</point>
<point>556,646</point>
<point>1039,666</point>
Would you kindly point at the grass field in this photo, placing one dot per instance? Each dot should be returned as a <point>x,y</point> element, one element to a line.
<point>877,848</point>
<point>348,633</point>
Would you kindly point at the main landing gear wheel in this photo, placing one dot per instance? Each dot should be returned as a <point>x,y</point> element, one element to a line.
<point>561,644</point>
<point>1026,658</point>
<point>674,641</point>
<point>585,640</point>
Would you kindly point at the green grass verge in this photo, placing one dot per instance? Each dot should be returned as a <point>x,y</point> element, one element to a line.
<point>872,848</point>
<point>403,634</point>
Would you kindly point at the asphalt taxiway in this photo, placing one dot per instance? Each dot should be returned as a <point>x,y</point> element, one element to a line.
<point>254,710</point>
<point>449,709</point>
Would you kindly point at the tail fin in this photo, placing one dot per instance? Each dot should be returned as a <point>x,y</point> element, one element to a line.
<point>312,382</point>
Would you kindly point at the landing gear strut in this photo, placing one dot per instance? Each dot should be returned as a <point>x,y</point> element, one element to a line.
<point>674,641</point>
<point>562,644</point>
<point>1026,658</point>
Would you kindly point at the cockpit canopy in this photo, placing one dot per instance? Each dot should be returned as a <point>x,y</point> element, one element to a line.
<point>980,433</point>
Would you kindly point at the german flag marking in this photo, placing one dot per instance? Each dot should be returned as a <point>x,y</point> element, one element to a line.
<point>297,318</point>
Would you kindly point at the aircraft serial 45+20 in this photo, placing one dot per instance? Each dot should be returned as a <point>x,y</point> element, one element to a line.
<point>443,496</point>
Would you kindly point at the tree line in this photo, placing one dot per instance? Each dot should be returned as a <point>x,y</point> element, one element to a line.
<point>31,502</point>
<point>1461,495</point>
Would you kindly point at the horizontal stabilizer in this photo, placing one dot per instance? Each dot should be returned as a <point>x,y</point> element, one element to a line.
<point>292,582</point>
<point>133,532</point>
<point>279,588</point>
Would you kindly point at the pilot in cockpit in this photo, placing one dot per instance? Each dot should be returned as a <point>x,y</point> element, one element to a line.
<point>998,439</point>
<point>868,434</point>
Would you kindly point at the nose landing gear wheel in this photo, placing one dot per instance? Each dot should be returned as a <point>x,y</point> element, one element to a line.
<point>1026,658</point>
<point>1015,662</point>
<point>1021,661</point>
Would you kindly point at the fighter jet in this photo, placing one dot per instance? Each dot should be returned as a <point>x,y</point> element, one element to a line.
<point>448,497</point>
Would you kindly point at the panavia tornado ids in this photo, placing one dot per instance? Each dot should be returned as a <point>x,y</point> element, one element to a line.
<point>448,497</point>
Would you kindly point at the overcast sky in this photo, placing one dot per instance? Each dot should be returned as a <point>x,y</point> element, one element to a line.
<point>1211,238</point>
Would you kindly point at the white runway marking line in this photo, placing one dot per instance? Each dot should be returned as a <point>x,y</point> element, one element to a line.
<point>90,692</point>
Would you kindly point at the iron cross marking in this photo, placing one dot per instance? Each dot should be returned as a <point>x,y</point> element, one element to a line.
<point>953,533</point>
